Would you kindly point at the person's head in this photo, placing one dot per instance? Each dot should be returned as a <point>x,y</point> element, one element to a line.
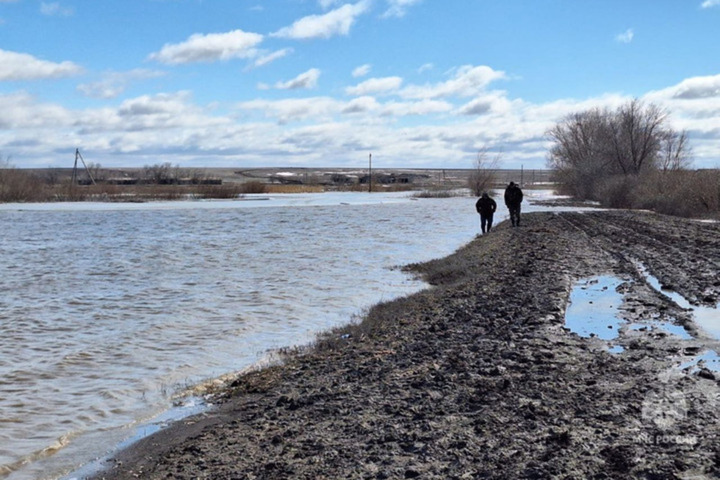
<point>484,195</point>
<point>512,184</point>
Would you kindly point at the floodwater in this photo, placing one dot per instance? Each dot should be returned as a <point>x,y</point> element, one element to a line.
<point>108,311</point>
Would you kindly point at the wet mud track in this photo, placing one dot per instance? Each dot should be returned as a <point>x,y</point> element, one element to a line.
<point>478,377</point>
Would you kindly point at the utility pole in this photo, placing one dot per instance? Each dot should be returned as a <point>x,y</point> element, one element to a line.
<point>74,172</point>
<point>370,174</point>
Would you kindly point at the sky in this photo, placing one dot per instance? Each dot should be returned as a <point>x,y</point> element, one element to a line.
<point>326,83</point>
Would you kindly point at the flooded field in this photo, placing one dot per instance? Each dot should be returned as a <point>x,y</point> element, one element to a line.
<point>110,310</point>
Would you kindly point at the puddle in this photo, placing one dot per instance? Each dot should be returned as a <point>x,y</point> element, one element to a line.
<point>593,311</point>
<point>593,308</point>
<point>708,319</point>
<point>666,327</point>
<point>709,359</point>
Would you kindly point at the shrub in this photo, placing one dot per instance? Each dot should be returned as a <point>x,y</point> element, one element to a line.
<point>253,187</point>
<point>232,190</point>
<point>482,177</point>
<point>618,191</point>
<point>20,186</point>
<point>680,193</point>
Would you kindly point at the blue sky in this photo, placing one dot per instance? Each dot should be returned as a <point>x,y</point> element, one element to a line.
<point>323,83</point>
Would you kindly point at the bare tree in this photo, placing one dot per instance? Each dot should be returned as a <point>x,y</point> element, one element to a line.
<point>97,171</point>
<point>675,153</point>
<point>161,173</point>
<point>592,147</point>
<point>482,176</point>
<point>636,133</point>
<point>579,153</point>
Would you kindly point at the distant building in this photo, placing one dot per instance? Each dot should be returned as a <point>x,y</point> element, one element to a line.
<point>392,178</point>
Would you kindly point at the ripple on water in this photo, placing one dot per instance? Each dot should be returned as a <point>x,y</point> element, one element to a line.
<point>165,295</point>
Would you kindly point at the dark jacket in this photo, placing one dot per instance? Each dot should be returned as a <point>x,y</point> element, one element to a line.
<point>485,205</point>
<point>513,195</point>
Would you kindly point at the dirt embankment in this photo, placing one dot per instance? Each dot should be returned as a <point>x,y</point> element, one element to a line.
<point>478,378</point>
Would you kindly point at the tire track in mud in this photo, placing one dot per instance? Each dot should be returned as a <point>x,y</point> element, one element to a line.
<point>669,256</point>
<point>685,257</point>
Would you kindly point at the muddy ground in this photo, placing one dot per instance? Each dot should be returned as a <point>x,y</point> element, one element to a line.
<point>477,377</point>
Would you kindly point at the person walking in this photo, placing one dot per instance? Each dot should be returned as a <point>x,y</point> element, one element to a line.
<point>486,207</point>
<point>513,199</point>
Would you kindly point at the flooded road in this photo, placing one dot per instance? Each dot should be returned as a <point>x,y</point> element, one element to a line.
<point>109,310</point>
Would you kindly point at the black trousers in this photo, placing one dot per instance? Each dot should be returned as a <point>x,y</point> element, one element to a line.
<point>514,215</point>
<point>486,222</point>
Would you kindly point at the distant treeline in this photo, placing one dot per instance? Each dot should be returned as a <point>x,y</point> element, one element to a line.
<point>630,158</point>
<point>156,182</point>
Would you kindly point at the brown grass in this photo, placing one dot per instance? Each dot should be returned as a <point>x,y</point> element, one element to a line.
<point>232,190</point>
<point>19,186</point>
<point>682,193</point>
<point>271,188</point>
<point>396,187</point>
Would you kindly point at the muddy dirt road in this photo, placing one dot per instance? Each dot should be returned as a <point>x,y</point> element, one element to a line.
<point>478,377</point>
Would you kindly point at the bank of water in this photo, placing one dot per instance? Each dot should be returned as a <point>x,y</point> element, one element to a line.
<point>109,310</point>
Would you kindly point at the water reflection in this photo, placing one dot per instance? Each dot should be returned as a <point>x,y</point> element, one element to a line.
<point>594,311</point>
<point>593,308</point>
<point>708,319</point>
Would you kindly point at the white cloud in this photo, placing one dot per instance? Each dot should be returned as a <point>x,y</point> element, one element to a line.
<point>375,86</point>
<point>710,3</point>
<point>466,82</point>
<point>114,83</point>
<point>478,106</point>
<point>422,107</point>
<point>271,57</point>
<point>494,102</point>
<point>288,110</point>
<point>448,128</point>
<point>21,111</point>
<point>305,80</point>
<point>361,71</point>
<point>334,22</point>
<point>361,105</point>
<point>210,47</point>
<point>21,66</point>
<point>425,67</point>
<point>154,118</point>
<point>398,8</point>
<point>160,104</point>
<point>55,9</point>
<point>692,88</point>
<point>626,36</point>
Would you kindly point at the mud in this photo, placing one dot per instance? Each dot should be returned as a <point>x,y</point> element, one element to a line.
<point>478,377</point>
